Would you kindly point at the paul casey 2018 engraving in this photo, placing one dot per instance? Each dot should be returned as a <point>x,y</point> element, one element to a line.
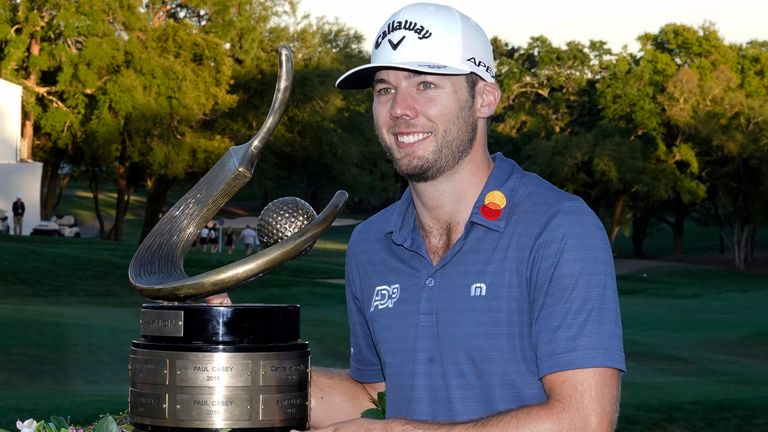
<point>211,373</point>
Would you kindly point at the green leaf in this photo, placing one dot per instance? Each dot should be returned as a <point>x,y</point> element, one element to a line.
<point>107,424</point>
<point>379,411</point>
<point>59,423</point>
<point>372,413</point>
<point>382,399</point>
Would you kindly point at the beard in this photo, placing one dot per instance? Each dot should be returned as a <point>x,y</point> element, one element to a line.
<point>451,147</point>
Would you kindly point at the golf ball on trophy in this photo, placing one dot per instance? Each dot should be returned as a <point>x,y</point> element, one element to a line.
<point>281,219</point>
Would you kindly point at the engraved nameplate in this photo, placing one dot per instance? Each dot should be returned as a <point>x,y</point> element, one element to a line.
<point>162,322</point>
<point>284,406</point>
<point>284,372</point>
<point>213,407</point>
<point>147,404</point>
<point>213,373</point>
<point>148,370</point>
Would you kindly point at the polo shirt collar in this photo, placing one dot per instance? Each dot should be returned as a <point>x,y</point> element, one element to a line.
<point>503,178</point>
<point>403,225</point>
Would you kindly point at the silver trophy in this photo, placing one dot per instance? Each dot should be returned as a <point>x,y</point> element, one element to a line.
<point>241,367</point>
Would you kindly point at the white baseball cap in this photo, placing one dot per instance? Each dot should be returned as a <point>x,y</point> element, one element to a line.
<point>428,38</point>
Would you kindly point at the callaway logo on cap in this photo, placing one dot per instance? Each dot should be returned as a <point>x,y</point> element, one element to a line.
<point>428,38</point>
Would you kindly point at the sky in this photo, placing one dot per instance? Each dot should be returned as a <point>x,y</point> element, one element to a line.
<point>617,22</point>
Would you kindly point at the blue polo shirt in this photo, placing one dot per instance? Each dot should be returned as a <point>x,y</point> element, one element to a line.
<point>518,297</point>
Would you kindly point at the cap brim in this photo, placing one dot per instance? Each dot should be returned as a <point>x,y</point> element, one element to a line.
<point>361,77</point>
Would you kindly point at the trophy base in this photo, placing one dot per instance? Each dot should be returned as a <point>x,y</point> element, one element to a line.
<point>200,367</point>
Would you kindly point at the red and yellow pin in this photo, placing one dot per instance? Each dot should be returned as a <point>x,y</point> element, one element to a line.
<point>495,201</point>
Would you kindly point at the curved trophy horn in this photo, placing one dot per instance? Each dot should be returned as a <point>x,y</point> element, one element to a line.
<point>157,267</point>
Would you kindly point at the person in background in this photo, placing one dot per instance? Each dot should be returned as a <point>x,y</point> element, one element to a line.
<point>484,299</point>
<point>249,238</point>
<point>18,210</point>
<point>204,233</point>
<point>213,238</point>
<point>229,241</point>
<point>4,227</point>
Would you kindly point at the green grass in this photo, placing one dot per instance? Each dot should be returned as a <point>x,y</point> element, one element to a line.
<point>696,338</point>
<point>696,341</point>
<point>69,316</point>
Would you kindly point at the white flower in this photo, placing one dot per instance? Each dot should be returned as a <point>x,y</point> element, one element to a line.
<point>28,426</point>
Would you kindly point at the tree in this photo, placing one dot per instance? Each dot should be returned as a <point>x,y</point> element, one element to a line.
<point>725,111</point>
<point>324,141</point>
<point>633,96</point>
<point>39,44</point>
<point>149,93</point>
<point>547,90</point>
<point>551,108</point>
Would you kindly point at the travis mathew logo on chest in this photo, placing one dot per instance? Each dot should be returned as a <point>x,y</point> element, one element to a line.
<point>397,25</point>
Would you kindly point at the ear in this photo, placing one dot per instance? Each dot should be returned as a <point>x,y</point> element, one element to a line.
<point>487,97</point>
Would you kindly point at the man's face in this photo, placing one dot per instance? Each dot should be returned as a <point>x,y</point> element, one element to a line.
<point>426,123</point>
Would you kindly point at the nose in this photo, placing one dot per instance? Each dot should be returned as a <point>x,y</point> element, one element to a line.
<point>403,106</point>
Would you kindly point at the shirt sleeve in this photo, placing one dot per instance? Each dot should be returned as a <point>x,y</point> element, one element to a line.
<point>576,321</point>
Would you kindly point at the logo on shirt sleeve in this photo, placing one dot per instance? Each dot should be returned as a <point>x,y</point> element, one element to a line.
<point>385,296</point>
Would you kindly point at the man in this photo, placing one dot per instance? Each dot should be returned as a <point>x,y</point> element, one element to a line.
<point>18,209</point>
<point>248,236</point>
<point>484,299</point>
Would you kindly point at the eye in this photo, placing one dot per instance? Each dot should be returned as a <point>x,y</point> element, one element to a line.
<point>426,85</point>
<point>381,91</point>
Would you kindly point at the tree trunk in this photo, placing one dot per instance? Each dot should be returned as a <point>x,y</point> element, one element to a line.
<point>678,229</point>
<point>27,136</point>
<point>121,206</point>
<point>93,185</point>
<point>639,231</point>
<point>28,125</point>
<point>156,198</point>
<point>616,218</point>
<point>128,195</point>
<point>50,193</point>
<point>742,243</point>
<point>63,181</point>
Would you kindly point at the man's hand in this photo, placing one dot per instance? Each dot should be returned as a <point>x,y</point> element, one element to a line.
<point>578,400</point>
<point>337,398</point>
<point>221,299</point>
<point>355,425</point>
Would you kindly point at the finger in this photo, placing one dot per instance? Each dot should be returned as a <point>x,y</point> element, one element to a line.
<point>219,299</point>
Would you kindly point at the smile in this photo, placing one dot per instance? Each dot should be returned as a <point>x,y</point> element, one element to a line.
<point>411,138</point>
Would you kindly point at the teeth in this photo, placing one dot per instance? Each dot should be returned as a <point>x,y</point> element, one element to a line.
<point>412,138</point>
